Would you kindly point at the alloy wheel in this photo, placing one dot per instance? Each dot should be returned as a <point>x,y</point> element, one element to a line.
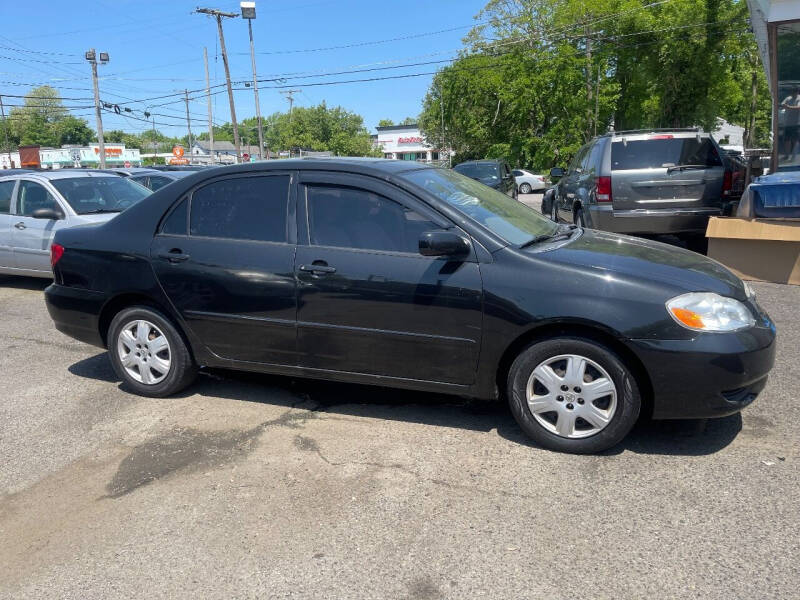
<point>144,352</point>
<point>525,188</point>
<point>571,396</point>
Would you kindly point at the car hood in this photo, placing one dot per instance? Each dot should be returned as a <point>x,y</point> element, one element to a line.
<point>645,259</point>
<point>92,219</point>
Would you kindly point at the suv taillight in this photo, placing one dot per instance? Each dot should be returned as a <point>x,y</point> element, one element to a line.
<point>727,183</point>
<point>604,189</point>
<point>56,252</point>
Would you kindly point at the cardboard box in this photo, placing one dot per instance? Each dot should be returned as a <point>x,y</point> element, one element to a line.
<point>757,249</point>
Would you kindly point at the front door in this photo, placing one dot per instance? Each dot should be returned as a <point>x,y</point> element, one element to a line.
<point>368,302</point>
<point>30,238</point>
<point>6,192</point>
<point>225,256</point>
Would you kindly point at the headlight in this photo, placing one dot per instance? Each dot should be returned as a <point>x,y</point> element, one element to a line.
<point>705,311</point>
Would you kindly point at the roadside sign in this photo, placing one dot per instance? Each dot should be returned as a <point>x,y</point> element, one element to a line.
<point>177,151</point>
<point>245,156</point>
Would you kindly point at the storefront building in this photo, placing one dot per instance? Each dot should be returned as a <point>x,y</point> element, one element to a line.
<point>117,155</point>
<point>776,25</point>
<point>405,142</point>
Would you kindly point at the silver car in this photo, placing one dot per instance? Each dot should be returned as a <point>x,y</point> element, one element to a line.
<point>33,206</point>
<point>644,181</point>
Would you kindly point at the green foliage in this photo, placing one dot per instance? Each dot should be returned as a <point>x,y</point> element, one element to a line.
<point>530,89</point>
<point>43,120</point>
<point>385,123</point>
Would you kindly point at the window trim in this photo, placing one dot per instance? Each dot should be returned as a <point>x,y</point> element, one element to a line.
<point>291,231</point>
<point>49,189</point>
<point>12,198</point>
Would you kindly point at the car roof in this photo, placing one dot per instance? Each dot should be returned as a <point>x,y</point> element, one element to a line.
<point>487,161</point>
<point>359,165</point>
<point>61,174</point>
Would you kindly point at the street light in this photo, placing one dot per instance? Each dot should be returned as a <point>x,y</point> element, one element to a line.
<point>91,56</point>
<point>249,13</point>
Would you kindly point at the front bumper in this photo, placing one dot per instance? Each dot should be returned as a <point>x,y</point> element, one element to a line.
<point>654,221</point>
<point>712,375</point>
<point>76,312</point>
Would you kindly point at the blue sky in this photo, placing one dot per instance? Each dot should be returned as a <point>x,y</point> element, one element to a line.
<point>156,48</point>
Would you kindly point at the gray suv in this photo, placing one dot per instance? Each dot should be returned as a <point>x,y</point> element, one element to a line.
<point>643,182</point>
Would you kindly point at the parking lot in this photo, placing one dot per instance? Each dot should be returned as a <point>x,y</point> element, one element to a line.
<point>259,486</point>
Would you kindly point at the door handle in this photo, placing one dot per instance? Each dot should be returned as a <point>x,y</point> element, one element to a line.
<point>20,225</point>
<point>174,256</point>
<point>318,269</point>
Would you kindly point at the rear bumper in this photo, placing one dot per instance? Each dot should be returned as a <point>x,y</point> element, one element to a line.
<point>76,312</point>
<point>657,221</point>
<point>713,375</point>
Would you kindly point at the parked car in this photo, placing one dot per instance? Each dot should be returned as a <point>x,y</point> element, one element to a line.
<point>399,274</point>
<point>35,205</point>
<point>126,171</point>
<point>7,172</point>
<point>644,182</point>
<point>528,182</point>
<point>155,180</point>
<point>494,173</point>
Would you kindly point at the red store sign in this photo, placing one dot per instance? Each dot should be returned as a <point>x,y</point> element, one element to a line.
<point>409,140</point>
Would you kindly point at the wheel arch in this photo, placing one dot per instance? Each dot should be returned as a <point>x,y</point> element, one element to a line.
<point>589,330</point>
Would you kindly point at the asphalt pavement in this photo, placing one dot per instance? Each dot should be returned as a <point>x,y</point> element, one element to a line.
<point>251,486</point>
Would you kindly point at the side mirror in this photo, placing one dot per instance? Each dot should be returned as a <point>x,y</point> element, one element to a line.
<point>50,214</point>
<point>557,172</point>
<point>443,243</point>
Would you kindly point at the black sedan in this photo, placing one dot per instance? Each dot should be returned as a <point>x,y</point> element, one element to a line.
<point>398,274</point>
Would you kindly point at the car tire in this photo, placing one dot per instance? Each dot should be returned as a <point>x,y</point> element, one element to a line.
<point>525,188</point>
<point>148,353</point>
<point>609,418</point>
<point>580,218</point>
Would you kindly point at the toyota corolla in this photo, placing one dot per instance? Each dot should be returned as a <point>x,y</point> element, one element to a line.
<point>399,274</point>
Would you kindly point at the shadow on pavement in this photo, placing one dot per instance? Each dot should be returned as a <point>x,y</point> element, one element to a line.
<point>682,438</point>
<point>24,283</point>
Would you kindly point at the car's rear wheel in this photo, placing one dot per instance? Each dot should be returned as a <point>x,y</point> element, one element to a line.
<point>573,394</point>
<point>148,353</point>
<point>525,188</point>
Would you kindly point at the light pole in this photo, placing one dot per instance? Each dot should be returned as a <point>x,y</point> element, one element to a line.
<point>91,56</point>
<point>249,13</point>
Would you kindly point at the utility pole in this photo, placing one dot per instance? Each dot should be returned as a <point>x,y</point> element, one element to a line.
<point>218,14</point>
<point>188,120</point>
<point>587,30</point>
<point>290,97</point>
<point>249,13</point>
<point>92,58</point>
<point>5,130</point>
<point>210,115</point>
<point>441,105</point>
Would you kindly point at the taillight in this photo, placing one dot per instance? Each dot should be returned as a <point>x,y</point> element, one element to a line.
<point>727,183</point>
<point>603,189</point>
<point>56,252</point>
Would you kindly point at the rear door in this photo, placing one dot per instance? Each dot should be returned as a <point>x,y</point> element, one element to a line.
<point>569,184</point>
<point>30,238</point>
<point>666,171</point>
<point>6,192</point>
<point>225,258</point>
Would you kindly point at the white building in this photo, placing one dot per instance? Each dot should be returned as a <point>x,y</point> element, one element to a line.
<point>224,152</point>
<point>117,155</point>
<point>405,142</point>
<point>9,160</point>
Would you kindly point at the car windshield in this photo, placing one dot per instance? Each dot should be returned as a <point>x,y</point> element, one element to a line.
<point>511,220</point>
<point>87,195</point>
<point>478,170</point>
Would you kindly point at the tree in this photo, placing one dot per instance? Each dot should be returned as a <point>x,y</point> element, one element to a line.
<point>43,120</point>
<point>409,121</point>
<point>385,123</point>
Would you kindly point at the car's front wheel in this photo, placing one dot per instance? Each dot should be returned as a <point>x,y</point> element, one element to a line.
<point>573,394</point>
<point>148,353</point>
<point>525,188</point>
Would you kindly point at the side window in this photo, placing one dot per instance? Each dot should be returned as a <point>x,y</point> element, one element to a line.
<point>517,173</point>
<point>578,160</point>
<point>6,189</point>
<point>351,218</point>
<point>141,180</point>
<point>242,208</point>
<point>32,196</point>
<point>595,159</point>
<point>175,224</point>
<point>158,181</point>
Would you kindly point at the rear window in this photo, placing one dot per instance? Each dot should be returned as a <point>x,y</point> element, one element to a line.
<point>87,195</point>
<point>663,153</point>
<point>479,170</point>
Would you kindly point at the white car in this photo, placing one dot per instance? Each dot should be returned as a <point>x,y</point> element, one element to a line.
<point>528,182</point>
<point>33,206</point>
